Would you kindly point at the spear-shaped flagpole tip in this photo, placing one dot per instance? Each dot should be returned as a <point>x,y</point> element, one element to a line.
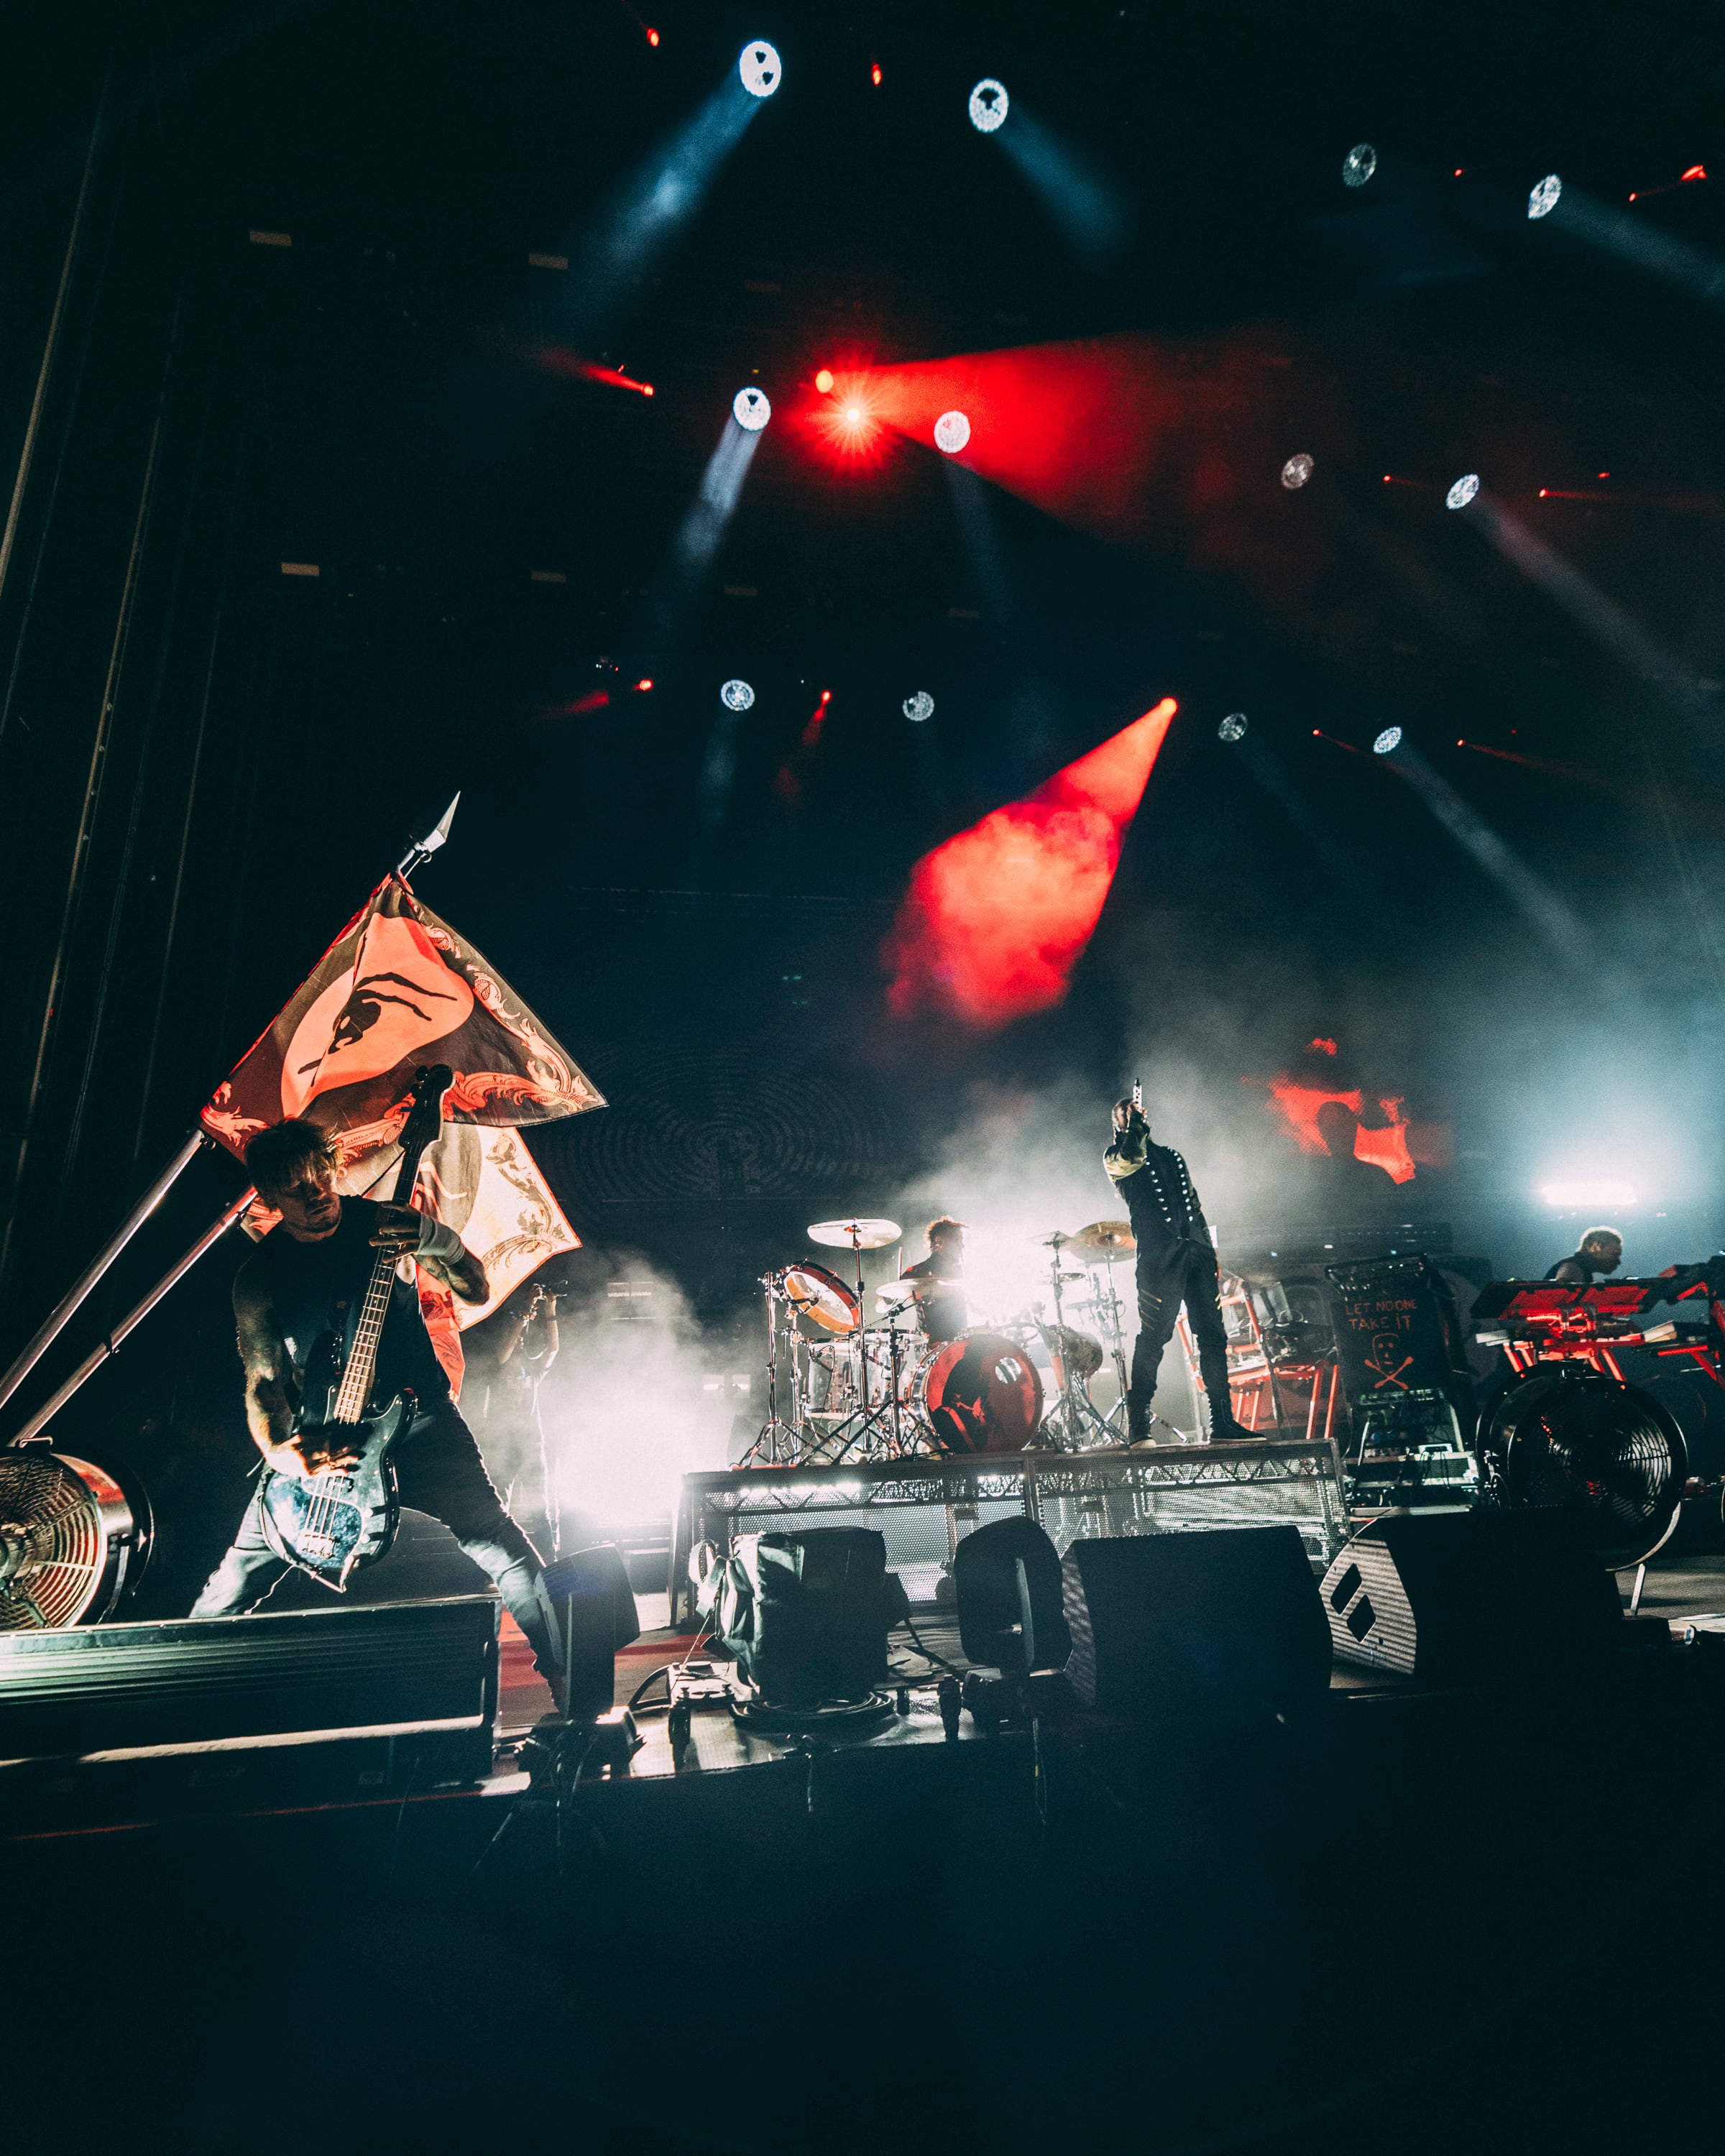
<point>422,850</point>
<point>433,839</point>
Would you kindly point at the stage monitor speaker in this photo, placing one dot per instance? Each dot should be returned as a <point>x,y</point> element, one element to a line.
<point>1458,1596</point>
<point>594,1610</point>
<point>208,1681</point>
<point>1224,1619</point>
<point>806,1614</point>
<point>1006,1579</point>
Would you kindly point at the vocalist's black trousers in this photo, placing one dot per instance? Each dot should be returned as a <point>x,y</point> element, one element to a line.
<point>1180,1274</point>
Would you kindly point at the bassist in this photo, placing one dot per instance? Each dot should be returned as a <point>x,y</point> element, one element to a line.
<point>307,1278</point>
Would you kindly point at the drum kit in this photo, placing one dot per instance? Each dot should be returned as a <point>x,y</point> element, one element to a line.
<point>843,1387</point>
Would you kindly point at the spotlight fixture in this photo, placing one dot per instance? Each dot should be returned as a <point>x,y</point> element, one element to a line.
<point>1297,470</point>
<point>1544,200</point>
<point>759,69</point>
<point>952,431</point>
<point>750,409</point>
<point>1463,492</point>
<point>1359,166</point>
<point>919,706</point>
<point>1389,739</point>
<point>855,415</point>
<point>988,104</point>
<point>736,696</point>
<point>1233,727</point>
<point>824,380</point>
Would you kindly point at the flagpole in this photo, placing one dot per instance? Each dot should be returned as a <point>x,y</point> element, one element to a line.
<point>54,1323</point>
<point>94,1361</point>
<point>419,850</point>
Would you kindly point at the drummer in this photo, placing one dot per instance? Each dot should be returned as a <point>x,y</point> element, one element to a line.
<point>939,1299</point>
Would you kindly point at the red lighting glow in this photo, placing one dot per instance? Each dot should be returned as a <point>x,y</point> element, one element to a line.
<point>652,36</point>
<point>595,699</point>
<point>995,920</point>
<point>554,359</point>
<point>1298,1108</point>
<point>874,74</point>
<point>643,683</point>
<point>1683,179</point>
<point>824,381</point>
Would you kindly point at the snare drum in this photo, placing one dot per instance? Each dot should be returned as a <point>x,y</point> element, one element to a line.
<point>979,1393</point>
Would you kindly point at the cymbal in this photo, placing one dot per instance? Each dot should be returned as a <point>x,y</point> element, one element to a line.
<point>855,1235</point>
<point>1051,1241</point>
<point>898,1291</point>
<point>1102,1240</point>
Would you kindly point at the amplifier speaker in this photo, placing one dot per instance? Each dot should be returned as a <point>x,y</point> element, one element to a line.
<point>1226,1620</point>
<point>389,1666</point>
<point>594,1610</point>
<point>1006,1579</point>
<point>1451,1596</point>
<point>806,1614</point>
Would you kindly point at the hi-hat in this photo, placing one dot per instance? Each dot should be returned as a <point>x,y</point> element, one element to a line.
<point>1051,1241</point>
<point>1102,1240</point>
<point>855,1235</point>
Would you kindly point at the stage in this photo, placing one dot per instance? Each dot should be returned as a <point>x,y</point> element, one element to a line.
<point>1417,1918</point>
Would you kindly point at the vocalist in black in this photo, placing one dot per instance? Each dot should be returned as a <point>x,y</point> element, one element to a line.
<point>1177,1263</point>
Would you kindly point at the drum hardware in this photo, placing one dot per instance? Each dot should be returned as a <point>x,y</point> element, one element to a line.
<point>1075,1419</point>
<point>864,1429</point>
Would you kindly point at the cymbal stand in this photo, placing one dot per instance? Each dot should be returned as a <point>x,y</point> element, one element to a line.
<point>1110,1308</point>
<point>868,1418</point>
<point>780,1443</point>
<point>1077,1409</point>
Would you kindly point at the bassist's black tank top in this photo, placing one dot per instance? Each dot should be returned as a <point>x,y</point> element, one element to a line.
<point>318,1287</point>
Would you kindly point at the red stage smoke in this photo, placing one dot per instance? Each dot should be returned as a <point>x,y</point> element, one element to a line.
<point>995,920</point>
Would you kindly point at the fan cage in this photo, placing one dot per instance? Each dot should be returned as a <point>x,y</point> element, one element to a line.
<point>1607,1452</point>
<point>67,1530</point>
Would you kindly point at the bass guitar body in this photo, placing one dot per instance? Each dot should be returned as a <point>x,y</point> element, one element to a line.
<point>328,1524</point>
<point>331,1524</point>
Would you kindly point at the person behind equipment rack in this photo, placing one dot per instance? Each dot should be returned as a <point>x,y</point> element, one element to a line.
<point>1177,1263</point>
<point>943,1309</point>
<point>309,1276</point>
<point>1600,1250</point>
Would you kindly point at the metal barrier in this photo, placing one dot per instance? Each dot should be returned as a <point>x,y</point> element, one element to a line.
<point>923,1506</point>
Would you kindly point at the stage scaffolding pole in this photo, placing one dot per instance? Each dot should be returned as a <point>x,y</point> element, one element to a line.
<point>419,850</point>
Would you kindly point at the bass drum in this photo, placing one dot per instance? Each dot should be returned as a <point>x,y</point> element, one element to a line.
<point>979,1393</point>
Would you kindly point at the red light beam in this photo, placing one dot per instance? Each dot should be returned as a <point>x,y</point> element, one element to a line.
<point>1685,179</point>
<point>995,920</point>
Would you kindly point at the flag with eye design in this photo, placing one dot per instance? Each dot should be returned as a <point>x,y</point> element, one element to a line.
<point>397,989</point>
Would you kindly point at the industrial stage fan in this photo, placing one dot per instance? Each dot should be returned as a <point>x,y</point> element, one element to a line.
<point>71,1540</point>
<point>1573,1439</point>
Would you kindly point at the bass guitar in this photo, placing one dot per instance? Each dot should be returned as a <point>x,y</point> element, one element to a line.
<point>331,1524</point>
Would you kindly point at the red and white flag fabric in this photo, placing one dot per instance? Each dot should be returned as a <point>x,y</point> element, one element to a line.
<point>400,988</point>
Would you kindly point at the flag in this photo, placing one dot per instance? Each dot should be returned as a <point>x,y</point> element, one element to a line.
<point>400,988</point>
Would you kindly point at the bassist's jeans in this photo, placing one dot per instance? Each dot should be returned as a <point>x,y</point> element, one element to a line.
<point>439,1470</point>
